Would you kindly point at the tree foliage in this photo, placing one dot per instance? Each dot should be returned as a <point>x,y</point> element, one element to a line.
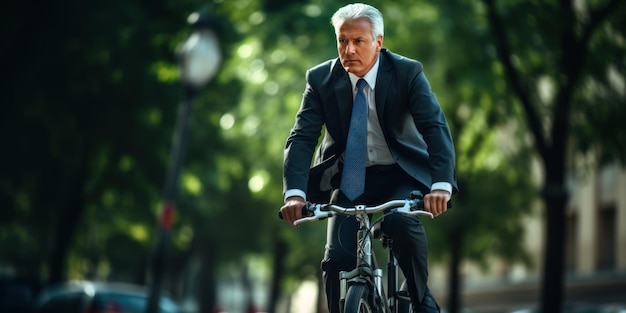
<point>549,87</point>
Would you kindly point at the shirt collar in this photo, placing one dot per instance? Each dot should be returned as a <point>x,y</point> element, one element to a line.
<point>370,77</point>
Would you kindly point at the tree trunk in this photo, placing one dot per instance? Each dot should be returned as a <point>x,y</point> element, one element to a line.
<point>207,282</point>
<point>248,288</point>
<point>553,272</point>
<point>280,252</point>
<point>72,206</point>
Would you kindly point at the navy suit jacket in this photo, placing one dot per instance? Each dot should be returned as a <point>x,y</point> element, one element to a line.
<point>412,121</point>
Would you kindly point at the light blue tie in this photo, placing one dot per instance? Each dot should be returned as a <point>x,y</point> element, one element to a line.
<point>353,175</point>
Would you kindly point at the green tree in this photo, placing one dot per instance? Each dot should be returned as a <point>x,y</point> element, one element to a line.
<point>91,95</point>
<point>496,189</point>
<point>79,118</point>
<point>271,60</point>
<point>571,48</point>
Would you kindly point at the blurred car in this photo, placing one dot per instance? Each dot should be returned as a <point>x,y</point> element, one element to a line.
<point>98,297</point>
<point>17,294</point>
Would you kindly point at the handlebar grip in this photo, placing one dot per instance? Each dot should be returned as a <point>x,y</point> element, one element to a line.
<point>416,194</point>
<point>420,204</point>
<point>305,210</point>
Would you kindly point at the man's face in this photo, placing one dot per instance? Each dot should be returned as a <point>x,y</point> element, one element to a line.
<point>357,50</point>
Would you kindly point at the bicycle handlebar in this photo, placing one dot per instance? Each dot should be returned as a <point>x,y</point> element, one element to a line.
<point>411,206</point>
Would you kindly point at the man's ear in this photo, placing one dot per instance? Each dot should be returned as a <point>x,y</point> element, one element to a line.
<point>379,43</point>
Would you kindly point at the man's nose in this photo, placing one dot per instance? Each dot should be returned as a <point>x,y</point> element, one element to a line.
<point>350,48</point>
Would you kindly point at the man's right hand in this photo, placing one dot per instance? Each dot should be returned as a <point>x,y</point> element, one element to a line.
<point>292,210</point>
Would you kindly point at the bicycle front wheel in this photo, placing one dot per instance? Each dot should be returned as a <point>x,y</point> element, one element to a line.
<point>357,300</point>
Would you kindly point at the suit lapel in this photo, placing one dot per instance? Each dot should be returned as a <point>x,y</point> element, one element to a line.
<point>383,83</point>
<point>343,95</point>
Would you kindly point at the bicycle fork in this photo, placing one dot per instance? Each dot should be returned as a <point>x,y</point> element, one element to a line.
<point>365,271</point>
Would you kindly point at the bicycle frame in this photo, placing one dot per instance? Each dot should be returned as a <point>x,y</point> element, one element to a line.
<point>367,272</point>
<point>396,294</point>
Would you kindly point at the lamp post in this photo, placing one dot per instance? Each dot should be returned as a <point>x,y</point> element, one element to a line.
<point>199,59</point>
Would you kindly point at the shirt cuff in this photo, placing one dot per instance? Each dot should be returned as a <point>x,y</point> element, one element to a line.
<point>442,186</point>
<point>294,192</point>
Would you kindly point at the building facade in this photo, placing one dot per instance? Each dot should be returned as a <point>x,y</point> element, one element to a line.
<point>595,250</point>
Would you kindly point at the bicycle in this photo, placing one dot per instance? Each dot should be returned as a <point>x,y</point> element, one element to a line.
<point>362,288</point>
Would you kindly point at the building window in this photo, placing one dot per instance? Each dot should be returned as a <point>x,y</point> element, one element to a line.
<point>607,233</point>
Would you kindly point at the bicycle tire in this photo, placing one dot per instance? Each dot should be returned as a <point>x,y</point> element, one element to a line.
<point>357,300</point>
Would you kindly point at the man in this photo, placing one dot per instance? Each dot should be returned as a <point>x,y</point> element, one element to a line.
<point>408,147</point>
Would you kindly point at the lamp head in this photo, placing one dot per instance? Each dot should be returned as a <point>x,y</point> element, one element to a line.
<point>200,54</point>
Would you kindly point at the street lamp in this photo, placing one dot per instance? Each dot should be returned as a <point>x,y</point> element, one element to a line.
<point>199,59</point>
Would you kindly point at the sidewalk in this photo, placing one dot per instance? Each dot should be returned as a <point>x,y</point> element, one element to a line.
<point>606,294</point>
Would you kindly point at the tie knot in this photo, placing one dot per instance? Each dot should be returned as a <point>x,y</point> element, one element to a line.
<point>360,84</point>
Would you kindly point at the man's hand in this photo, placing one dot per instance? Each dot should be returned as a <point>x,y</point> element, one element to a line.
<point>436,202</point>
<point>292,210</point>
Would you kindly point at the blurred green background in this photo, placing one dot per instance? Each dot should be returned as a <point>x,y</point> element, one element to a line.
<point>90,95</point>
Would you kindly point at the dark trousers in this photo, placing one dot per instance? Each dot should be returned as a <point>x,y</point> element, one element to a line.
<point>382,184</point>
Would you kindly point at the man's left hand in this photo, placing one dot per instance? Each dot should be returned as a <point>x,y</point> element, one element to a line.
<point>436,202</point>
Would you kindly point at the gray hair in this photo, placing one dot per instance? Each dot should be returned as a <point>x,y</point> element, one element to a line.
<point>358,10</point>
